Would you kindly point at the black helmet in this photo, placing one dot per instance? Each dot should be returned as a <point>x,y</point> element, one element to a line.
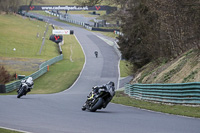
<point>111,83</point>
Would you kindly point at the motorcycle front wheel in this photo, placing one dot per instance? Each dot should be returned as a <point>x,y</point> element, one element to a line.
<point>21,92</point>
<point>97,105</point>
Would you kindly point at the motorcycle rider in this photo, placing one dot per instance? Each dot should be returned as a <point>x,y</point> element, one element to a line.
<point>96,53</point>
<point>29,83</point>
<point>105,86</point>
<point>95,91</point>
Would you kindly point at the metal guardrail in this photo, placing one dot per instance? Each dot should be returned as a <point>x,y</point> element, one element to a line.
<point>75,22</point>
<point>118,33</point>
<point>42,70</point>
<point>185,93</point>
<point>85,25</point>
<point>23,13</point>
<point>51,61</point>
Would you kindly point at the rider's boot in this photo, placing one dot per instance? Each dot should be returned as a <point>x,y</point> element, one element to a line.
<point>84,107</point>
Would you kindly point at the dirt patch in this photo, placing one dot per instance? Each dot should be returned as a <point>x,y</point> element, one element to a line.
<point>20,64</point>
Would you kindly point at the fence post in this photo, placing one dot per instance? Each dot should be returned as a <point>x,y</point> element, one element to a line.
<point>2,89</point>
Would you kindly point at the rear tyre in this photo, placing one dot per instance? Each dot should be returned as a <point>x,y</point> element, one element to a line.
<point>98,105</point>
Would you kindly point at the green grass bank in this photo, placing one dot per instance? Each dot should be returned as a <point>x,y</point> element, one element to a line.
<point>2,130</point>
<point>22,34</point>
<point>190,111</point>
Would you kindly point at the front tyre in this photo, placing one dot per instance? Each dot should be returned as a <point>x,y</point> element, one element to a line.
<point>21,92</point>
<point>97,105</point>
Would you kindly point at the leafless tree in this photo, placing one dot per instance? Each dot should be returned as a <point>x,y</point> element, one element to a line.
<point>88,2</point>
<point>10,5</point>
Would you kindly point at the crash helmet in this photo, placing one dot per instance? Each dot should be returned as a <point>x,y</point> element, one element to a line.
<point>111,83</point>
<point>95,87</point>
<point>29,80</point>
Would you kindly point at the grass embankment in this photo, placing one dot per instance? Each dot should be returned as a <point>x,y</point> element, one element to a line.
<point>7,131</point>
<point>21,40</point>
<point>62,74</point>
<point>20,33</point>
<point>191,111</point>
<point>125,68</point>
<point>184,68</point>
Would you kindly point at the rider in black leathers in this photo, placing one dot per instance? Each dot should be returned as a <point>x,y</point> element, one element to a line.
<point>96,53</point>
<point>95,91</point>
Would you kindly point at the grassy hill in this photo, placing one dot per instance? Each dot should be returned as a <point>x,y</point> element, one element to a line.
<point>21,40</point>
<point>185,68</point>
<point>20,43</point>
<point>21,33</point>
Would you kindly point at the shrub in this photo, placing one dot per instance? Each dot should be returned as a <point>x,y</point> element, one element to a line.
<point>4,75</point>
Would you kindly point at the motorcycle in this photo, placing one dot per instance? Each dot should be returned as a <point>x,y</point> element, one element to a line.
<point>25,87</point>
<point>99,100</point>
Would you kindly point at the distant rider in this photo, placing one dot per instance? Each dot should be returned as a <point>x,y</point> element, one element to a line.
<point>96,53</point>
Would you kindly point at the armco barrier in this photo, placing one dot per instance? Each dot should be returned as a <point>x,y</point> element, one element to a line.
<point>185,93</point>
<point>23,13</point>
<point>42,69</point>
<point>87,26</point>
<point>51,61</point>
<point>118,33</point>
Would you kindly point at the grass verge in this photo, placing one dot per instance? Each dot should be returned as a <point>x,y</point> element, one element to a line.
<point>21,40</point>
<point>22,37</point>
<point>2,130</point>
<point>190,111</point>
<point>125,68</point>
<point>20,33</point>
<point>62,74</point>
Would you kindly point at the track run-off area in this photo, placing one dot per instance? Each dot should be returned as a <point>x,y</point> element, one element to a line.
<point>61,112</point>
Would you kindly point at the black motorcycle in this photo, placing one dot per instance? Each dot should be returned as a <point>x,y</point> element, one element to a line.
<point>99,100</point>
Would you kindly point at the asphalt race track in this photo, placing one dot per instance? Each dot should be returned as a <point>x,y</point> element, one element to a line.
<point>61,112</point>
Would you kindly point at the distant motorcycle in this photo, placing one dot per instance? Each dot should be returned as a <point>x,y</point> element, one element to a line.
<point>96,53</point>
<point>99,97</point>
<point>25,87</point>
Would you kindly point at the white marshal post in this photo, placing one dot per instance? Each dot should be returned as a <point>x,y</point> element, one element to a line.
<point>62,32</point>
